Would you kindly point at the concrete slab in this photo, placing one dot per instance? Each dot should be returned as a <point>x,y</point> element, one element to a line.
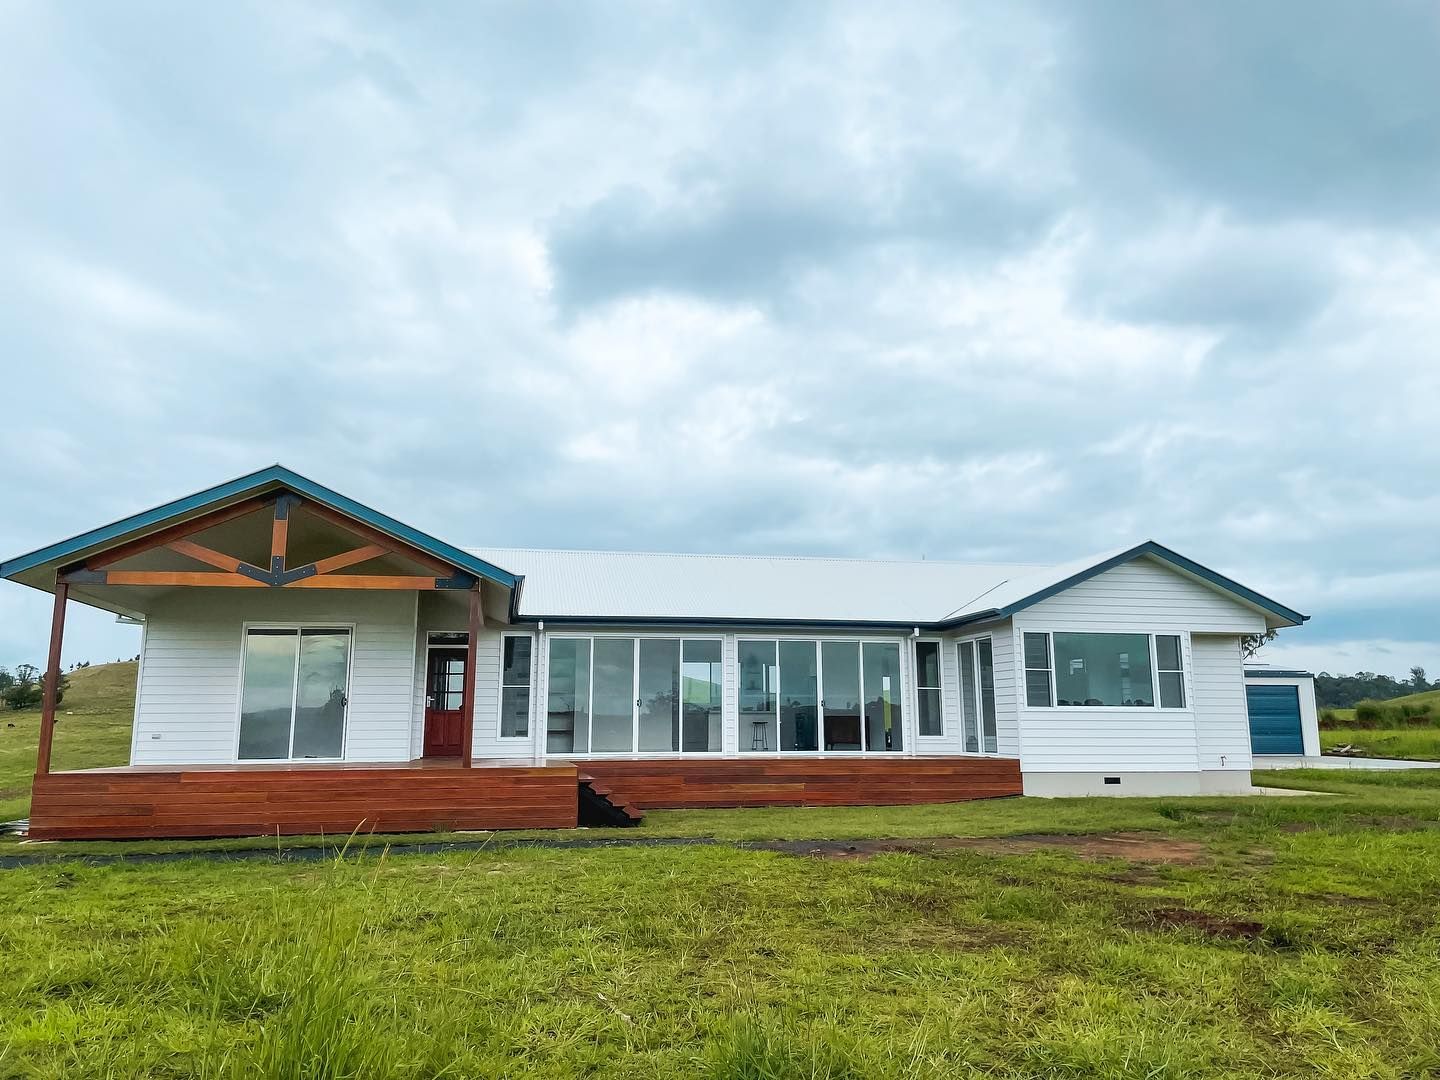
<point>1297,761</point>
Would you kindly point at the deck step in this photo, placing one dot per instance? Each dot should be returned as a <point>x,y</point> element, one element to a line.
<point>599,805</point>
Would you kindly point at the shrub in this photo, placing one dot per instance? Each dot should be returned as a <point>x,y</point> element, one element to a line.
<point>1369,714</point>
<point>1329,720</point>
<point>1415,713</point>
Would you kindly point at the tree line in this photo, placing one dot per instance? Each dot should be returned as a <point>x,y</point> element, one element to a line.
<point>1347,691</point>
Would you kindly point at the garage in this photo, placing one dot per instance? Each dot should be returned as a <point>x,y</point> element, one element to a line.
<point>1275,726</point>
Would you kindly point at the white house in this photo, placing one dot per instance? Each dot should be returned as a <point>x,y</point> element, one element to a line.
<point>295,635</point>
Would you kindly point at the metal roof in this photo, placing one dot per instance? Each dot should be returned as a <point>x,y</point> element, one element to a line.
<point>616,586</point>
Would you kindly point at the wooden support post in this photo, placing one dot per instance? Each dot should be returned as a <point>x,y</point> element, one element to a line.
<point>477,621</point>
<point>52,680</point>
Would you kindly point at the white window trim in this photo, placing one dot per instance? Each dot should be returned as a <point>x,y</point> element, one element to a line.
<point>939,644</point>
<point>1139,710</point>
<point>975,639</point>
<point>308,624</point>
<point>501,686</point>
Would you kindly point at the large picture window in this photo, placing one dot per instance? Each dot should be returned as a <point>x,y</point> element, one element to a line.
<point>1104,670</point>
<point>610,695</point>
<point>803,695</point>
<point>293,693</point>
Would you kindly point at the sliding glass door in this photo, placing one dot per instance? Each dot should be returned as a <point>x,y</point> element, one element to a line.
<point>834,696</point>
<point>621,695</point>
<point>293,694</point>
<point>977,695</point>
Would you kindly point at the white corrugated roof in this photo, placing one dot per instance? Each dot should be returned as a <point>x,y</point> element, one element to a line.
<point>642,585</point>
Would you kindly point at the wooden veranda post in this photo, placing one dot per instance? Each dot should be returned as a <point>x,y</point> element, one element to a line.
<point>52,679</point>
<point>477,621</point>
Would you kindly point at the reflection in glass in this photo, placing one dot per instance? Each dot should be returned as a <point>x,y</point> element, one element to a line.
<point>268,694</point>
<point>799,697</point>
<point>613,696</point>
<point>702,684</point>
<point>567,719</point>
<point>1103,669</point>
<point>320,697</point>
<point>659,697</point>
<point>987,693</point>
<point>840,664</point>
<point>969,708</point>
<point>927,692</point>
<point>881,670</point>
<point>759,675</point>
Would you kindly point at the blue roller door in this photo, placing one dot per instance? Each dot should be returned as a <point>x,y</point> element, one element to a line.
<point>1274,719</point>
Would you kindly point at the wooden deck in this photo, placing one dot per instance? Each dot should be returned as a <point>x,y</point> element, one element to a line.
<point>266,800</point>
<point>833,781</point>
<point>135,802</point>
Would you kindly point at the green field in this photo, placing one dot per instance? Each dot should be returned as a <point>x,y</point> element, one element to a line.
<point>1156,938</point>
<point>92,729</point>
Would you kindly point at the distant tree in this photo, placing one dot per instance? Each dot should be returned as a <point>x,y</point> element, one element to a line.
<point>1417,679</point>
<point>1250,644</point>
<point>28,688</point>
<point>6,679</point>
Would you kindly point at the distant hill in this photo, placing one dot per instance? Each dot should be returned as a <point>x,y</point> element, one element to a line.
<point>92,729</point>
<point>1344,691</point>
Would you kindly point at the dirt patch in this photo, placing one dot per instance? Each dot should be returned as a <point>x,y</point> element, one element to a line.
<point>1214,925</point>
<point>1133,847</point>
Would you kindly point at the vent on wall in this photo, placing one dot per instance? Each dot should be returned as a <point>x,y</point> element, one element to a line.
<point>1112,780</point>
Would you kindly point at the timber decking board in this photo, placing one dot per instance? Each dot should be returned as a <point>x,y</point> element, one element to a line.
<point>295,801</point>
<point>697,783</point>
<point>303,798</point>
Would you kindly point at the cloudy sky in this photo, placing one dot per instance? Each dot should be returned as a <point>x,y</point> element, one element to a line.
<point>976,281</point>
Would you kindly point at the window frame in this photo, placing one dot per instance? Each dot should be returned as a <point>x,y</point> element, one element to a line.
<point>634,751</point>
<point>1142,710</point>
<point>973,640</point>
<point>939,686</point>
<point>907,724</point>
<point>502,686</point>
<point>299,628</point>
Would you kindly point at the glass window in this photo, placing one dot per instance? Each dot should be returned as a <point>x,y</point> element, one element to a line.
<point>880,675</point>
<point>969,699</point>
<point>1102,669</point>
<point>759,679</point>
<point>840,695</point>
<point>292,697</point>
<point>702,684</point>
<point>567,716</point>
<point>927,682</point>
<point>515,687</point>
<point>985,654</point>
<point>612,695</point>
<point>658,703</point>
<point>799,696</point>
<point>1037,671</point>
<point>1170,671</point>
<point>268,693</point>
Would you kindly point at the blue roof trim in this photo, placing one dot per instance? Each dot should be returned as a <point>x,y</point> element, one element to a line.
<point>1277,673</point>
<point>276,475</point>
<point>1159,551</point>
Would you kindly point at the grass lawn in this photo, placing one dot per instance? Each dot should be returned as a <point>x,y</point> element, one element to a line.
<point>1155,938</point>
<point>1240,937</point>
<point>92,729</point>
<point>1408,743</point>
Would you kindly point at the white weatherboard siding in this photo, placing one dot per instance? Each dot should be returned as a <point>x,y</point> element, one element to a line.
<point>187,703</point>
<point>1222,721</point>
<point>1007,727</point>
<point>1142,596</point>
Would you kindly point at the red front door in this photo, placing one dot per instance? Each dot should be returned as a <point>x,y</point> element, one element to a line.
<point>444,702</point>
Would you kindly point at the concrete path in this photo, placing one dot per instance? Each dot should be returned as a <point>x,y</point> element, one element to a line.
<point>1297,761</point>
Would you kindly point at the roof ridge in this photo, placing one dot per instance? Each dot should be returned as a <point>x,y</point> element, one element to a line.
<point>747,555</point>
